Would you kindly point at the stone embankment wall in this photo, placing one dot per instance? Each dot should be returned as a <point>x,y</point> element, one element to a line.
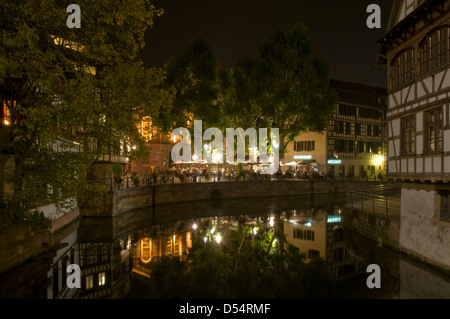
<point>135,198</point>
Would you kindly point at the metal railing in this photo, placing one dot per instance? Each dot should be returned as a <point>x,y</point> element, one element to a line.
<point>383,199</point>
<point>173,177</point>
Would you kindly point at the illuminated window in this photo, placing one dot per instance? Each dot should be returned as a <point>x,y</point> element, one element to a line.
<point>89,282</point>
<point>188,240</point>
<point>102,279</point>
<point>176,245</point>
<point>146,129</point>
<point>146,250</point>
<point>6,111</point>
<point>169,246</point>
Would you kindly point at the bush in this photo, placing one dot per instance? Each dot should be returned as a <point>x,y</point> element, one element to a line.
<point>240,269</point>
<point>135,179</point>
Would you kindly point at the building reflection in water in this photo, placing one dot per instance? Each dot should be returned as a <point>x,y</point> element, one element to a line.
<point>160,241</point>
<point>317,233</point>
<point>320,234</point>
<point>112,252</point>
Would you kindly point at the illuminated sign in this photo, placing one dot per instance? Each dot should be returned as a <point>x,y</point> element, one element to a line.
<point>306,157</point>
<point>334,161</point>
<point>334,219</point>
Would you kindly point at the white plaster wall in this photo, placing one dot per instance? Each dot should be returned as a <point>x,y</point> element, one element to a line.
<point>421,231</point>
<point>395,127</point>
<point>437,165</point>
<point>411,165</point>
<point>447,164</point>
<point>428,168</point>
<point>447,141</point>
<point>419,165</point>
<point>404,166</point>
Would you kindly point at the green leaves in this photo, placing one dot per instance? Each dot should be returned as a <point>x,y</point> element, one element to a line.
<point>74,85</point>
<point>240,269</point>
<point>285,86</point>
<point>193,73</point>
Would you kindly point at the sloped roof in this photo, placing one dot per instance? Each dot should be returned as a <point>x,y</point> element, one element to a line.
<point>394,14</point>
<point>357,88</point>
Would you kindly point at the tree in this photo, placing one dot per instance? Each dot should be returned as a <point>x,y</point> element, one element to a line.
<point>242,266</point>
<point>286,86</point>
<point>193,74</point>
<point>72,86</point>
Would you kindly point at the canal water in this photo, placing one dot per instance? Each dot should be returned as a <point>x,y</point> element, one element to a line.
<point>146,253</point>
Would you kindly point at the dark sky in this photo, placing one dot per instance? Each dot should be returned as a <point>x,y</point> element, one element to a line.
<point>234,28</point>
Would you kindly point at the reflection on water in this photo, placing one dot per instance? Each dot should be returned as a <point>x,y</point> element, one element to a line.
<point>115,254</point>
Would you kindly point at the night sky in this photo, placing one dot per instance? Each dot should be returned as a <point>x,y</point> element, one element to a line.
<point>234,28</point>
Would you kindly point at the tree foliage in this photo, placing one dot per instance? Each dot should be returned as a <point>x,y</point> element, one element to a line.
<point>242,266</point>
<point>72,85</point>
<point>286,86</point>
<point>193,74</point>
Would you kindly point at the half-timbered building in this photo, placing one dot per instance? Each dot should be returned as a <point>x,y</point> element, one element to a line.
<point>416,51</point>
<point>353,142</point>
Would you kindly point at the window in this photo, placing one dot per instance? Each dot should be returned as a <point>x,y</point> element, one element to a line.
<point>376,130</point>
<point>104,252</point>
<point>445,207</point>
<point>369,113</point>
<point>348,110</point>
<point>433,129</point>
<point>91,254</point>
<point>102,279</point>
<point>91,144</point>
<point>358,129</point>
<point>408,135</point>
<point>434,49</point>
<point>349,146</point>
<point>6,112</point>
<point>338,127</point>
<point>89,282</point>
<point>361,146</point>
<point>369,130</point>
<point>146,250</point>
<point>338,253</point>
<point>348,128</point>
<point>304,234</point>
<point>146,129</point>
<point>300,146</point>
<point>447,114</point>
<point>339,145</point>
<point>402,68</point>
